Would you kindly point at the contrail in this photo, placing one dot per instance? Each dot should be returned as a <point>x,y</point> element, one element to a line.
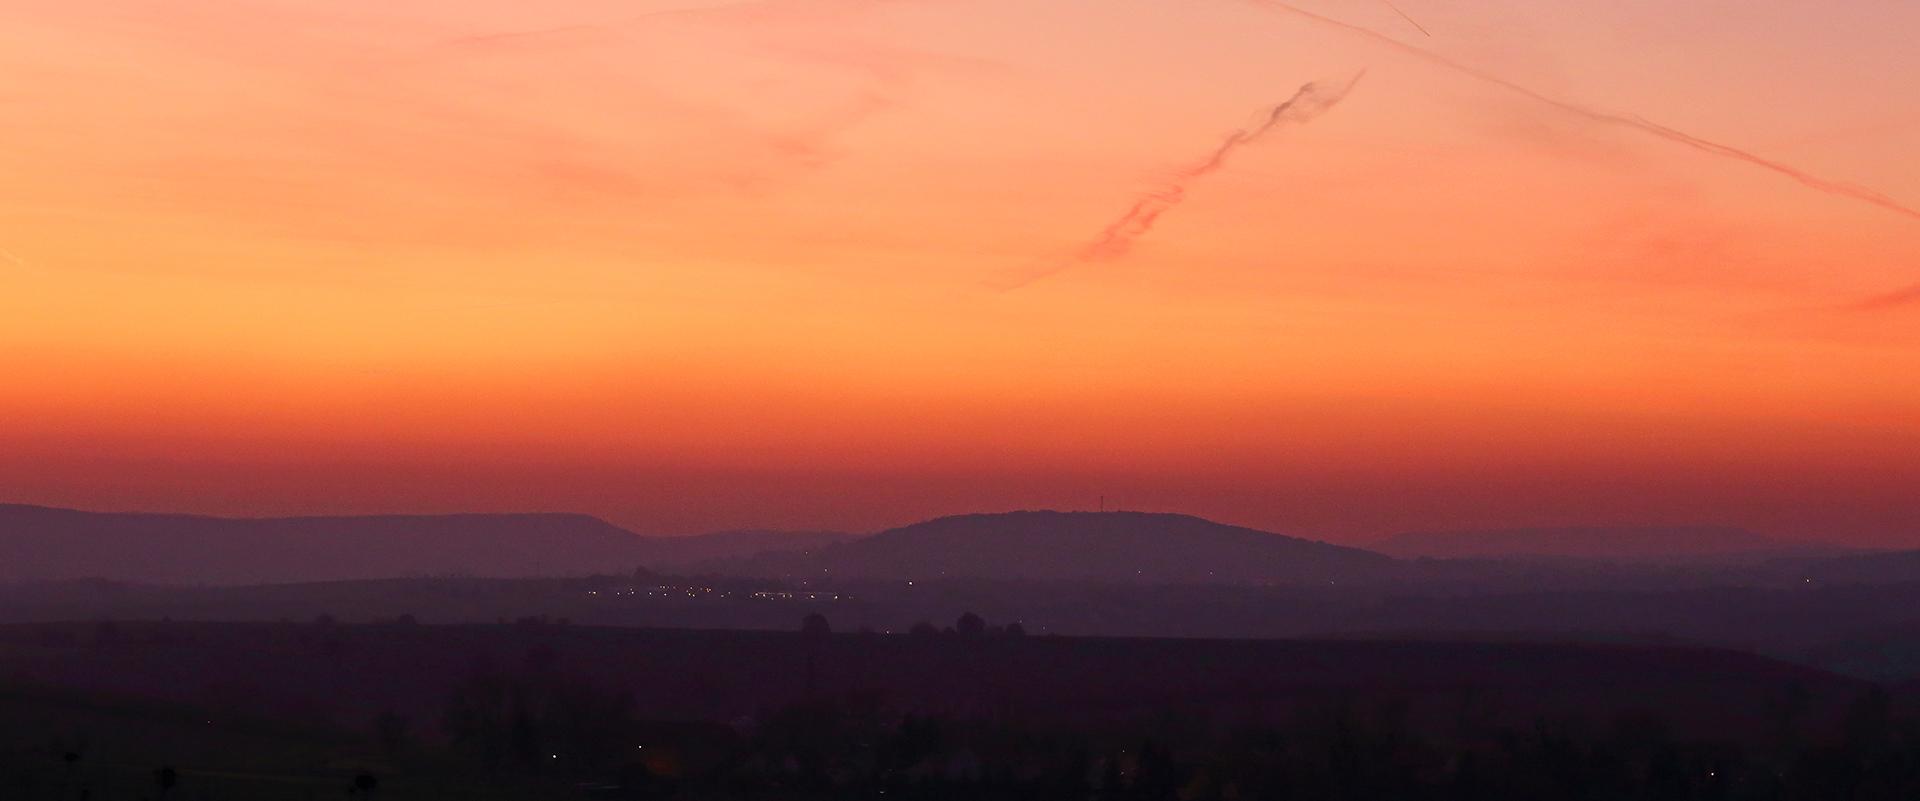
<point>1910,296</point>
<point>1115,240</point>
<point>15,259</point>
<point>1403,15</point>
<point>1834,187</point>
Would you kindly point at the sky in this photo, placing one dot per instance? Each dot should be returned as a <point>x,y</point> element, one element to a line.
<point>849,264</point>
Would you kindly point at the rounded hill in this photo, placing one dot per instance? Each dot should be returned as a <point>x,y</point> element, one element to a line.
<point>1078,546</point>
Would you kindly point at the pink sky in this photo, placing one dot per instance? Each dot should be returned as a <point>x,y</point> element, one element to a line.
<point>696,266</point>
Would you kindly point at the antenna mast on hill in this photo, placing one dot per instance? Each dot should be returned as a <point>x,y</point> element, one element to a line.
<point>1103,503</point>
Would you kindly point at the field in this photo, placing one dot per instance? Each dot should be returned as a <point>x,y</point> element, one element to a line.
<point>542,709</point>
<point>350,674</point>
<point>118,744</point>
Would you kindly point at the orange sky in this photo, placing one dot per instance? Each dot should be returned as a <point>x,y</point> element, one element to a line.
<point>693,266</point>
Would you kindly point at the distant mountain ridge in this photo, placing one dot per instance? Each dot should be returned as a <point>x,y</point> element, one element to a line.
<point>1617,543</point>
<point>44,543</point>
<point>40,543</point>
<point>1071,546</point>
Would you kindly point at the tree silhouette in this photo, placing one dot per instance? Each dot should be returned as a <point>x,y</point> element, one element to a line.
<point>814,627</point>
<point>970,625</point>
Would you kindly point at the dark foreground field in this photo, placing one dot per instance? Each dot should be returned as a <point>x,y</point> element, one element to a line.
<point>300,710</point>
<point>63,743</point>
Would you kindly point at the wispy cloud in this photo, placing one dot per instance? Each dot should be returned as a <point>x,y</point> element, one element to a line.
<point>15,259</point>
<point>1839,188</point>
<point>1910,296</point>
<point>1403,15</point>
<point>1117,239</point>
<point>1630,121</point>
<point>357,132</point>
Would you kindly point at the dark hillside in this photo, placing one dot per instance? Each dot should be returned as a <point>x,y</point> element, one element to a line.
<point>1877,568</point>
<point>43,543</point>
<point>1074,546</point>
<point>1626,543</point>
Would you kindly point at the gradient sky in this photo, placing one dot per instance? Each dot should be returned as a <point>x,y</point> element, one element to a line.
<point>699,266</point>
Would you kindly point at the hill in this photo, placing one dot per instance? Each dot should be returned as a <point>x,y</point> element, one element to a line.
<point>1615,543</point>
<point>678,551</point>
<point>49,544</point>
<point>1890,567</point>
<point>1072,546</point>
<point>44,543</point>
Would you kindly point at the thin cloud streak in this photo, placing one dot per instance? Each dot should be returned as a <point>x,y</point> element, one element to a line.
<point>1909,296</point>
<point>1117,239</point>
<point>804,143</point>
<point>16,259</point>
<point>1403,15</point>
<point>1835,187</point>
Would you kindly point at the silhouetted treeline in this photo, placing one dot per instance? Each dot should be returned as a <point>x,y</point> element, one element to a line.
<point>540,709</point>
<point>1341,750</point>
<point>1349,745</point>
<point>1865,630</point>
<point>533,719</point>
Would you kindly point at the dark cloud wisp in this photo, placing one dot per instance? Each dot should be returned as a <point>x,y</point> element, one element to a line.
<point>1117,239</point>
